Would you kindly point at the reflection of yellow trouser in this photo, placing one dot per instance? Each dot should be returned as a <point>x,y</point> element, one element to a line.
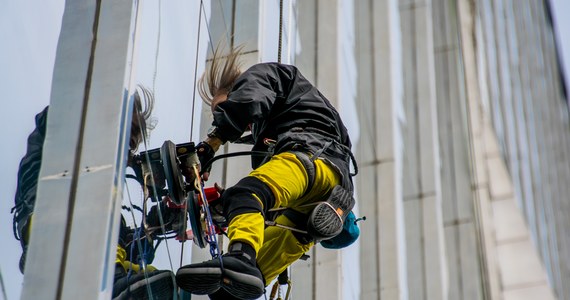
<point>127,265</point>
<point>285,175</point>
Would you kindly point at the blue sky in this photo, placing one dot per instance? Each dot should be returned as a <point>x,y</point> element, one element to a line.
<point>29,30</point>
<point>26,62</point>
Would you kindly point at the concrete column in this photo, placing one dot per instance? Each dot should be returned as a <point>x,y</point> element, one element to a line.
<point>383,244</point>
<point>238,22</point>
<point>76,218</point>
<point>555,118</point>
<point>327,264</point>
<point>302,272</point>
<point>427,271</point>
<point>510,266</point>
<point>460,220</point>
<point>320,276</point>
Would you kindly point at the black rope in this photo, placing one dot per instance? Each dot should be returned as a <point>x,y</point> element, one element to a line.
<point>196,69</point>
<point>2,285</point>
<point>239,153</point>
<point>208,28</point>
<point>135,207</point>
<point>266,153</point>
<point>280,31</point>
<point>157,48</point>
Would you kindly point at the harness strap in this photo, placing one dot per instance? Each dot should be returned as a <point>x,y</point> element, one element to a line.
<point>273,223</point>
<point>300,220</point>
<point>318,153</point>
<point>309,165</point>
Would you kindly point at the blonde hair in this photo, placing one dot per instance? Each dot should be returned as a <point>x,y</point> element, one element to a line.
<point>142,121</point>
<point>221,75</point>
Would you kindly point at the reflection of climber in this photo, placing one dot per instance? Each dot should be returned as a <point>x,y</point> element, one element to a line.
<point>309,164</point>
<point>25,198</point>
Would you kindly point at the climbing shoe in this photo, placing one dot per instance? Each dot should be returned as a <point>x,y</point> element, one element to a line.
<point>235,272</point>
<point>136,286</point>
<point>327,218</point>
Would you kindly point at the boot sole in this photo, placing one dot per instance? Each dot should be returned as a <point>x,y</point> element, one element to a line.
<point>243,286</point>
<point>327,218</point>
<point>199,281</point>
<point>160,285</point>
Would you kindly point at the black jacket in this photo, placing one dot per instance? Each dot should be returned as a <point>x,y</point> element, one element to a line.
<point>282,105</point>
<point>28,174</point>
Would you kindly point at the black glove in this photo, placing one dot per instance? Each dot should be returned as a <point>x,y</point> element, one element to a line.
<point>205,154</point>
<point>170,218</point>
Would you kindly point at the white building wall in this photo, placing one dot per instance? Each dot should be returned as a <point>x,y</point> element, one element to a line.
<point>457,155</point>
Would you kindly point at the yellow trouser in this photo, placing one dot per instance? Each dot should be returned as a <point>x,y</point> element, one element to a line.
<point>287,178</point>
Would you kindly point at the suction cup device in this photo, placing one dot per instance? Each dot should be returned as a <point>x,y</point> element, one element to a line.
<point>186,153</point>
<point>151,173</point>
<point>174,178</point>
<point>196,220</point>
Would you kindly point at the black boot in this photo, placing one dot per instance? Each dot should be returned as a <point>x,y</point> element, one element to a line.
<point>238,275</point>
<point>136,286</point>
